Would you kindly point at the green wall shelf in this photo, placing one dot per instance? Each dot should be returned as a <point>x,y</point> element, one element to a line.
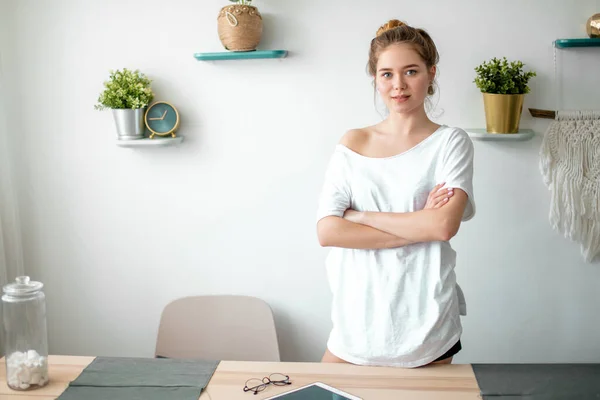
<point>240,55</point>
<point>583,42</point>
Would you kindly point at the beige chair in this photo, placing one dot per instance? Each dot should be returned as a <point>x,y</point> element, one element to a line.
<point>218,328</point>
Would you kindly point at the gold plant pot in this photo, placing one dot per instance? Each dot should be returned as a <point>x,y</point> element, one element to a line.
<point>592,26</point>
<point>503,112</point>
<point>240,27</point>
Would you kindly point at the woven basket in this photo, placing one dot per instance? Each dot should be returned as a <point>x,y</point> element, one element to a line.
<point>240,27</point>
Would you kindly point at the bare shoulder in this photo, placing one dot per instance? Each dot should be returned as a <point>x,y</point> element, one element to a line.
<point>355,139</point>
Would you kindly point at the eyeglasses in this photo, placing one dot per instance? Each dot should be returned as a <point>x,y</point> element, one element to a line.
<point>258,385</point>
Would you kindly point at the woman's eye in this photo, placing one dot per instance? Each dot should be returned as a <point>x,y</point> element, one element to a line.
<point>386,74</point>
<point>411,72</point>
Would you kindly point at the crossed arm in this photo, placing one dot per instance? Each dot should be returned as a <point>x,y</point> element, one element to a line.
<point>379,230</point>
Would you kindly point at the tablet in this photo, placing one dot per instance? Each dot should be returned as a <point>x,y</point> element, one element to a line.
<point>315,391</point>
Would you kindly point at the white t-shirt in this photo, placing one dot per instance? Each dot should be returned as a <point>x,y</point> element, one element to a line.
<point>400,306</point>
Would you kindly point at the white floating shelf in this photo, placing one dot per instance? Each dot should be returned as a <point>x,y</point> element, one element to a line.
<point>482,134</point>
<point>147,142</point>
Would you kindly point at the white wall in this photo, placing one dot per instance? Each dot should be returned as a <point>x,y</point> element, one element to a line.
<point>117,233</point>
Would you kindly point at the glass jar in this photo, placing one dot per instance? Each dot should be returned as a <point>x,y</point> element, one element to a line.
<point>25,334</point>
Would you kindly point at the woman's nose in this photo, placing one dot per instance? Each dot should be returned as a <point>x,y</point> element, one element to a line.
<point>399,84</point>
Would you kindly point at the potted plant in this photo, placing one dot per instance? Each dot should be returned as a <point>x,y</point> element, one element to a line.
<point>127,93</point>
<point>240,26</point>
<point>504,85</point>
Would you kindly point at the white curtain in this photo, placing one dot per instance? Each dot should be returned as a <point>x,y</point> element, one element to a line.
<point>11,256</point>
<point>11,260</point>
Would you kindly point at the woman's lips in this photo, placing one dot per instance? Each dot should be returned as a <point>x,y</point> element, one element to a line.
<point>401,98</point>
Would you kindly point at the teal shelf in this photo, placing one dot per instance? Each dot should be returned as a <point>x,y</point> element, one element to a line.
<point>482,134</point>
<point>583,42</point>
<point>240,55</point>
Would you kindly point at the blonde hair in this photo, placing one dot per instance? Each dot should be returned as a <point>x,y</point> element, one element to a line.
<point>395,32</point>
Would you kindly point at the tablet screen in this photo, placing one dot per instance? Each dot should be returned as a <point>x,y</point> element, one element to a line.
<point>312,392</point>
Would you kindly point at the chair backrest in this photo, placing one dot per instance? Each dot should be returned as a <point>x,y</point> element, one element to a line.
<point>226,327</point>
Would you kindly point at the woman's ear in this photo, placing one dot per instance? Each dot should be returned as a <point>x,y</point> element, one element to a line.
<point>432,73</point>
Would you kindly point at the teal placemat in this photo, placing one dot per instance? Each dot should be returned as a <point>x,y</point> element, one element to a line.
<point>538,381</point>
<point>118,378</point>
<point>166,372</point>
<point>130,393</point>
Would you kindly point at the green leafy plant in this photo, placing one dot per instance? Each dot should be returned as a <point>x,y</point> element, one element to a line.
<point>242,2</point>
<point>500,76</point>
<point>125,89</point>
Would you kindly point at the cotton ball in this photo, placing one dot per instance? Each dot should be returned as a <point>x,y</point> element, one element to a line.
<point>36,378</point>
<point>17,358</point>
<point>33,359</point>
<point>24,375</point>
<point>33,355</point>
<point>13,376</point>
<point>43,380</point>
<point>25,369</point>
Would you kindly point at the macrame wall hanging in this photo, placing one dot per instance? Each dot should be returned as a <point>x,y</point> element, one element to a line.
<point>570,167</point>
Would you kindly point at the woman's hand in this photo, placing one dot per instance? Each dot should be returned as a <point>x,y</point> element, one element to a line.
<point>438,197</point>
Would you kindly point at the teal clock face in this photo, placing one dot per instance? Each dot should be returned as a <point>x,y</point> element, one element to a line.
<point>162,118</point>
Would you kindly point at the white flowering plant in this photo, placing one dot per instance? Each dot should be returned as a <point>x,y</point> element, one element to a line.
<point>125,89</point>
<point>242,2</point>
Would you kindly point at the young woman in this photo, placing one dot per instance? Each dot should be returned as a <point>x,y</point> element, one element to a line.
<point>394,194</point>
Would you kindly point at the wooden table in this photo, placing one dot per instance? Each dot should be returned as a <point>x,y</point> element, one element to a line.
<point>381,383</point>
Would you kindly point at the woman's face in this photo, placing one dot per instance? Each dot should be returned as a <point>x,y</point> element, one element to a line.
<point>402,78</point>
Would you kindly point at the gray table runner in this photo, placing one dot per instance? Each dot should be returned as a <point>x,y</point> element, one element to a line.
<point>538,381</point>
<point>144,378</point>
<point>130,393</point>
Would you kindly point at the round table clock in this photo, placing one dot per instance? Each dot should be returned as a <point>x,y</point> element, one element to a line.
<point>161,119</point>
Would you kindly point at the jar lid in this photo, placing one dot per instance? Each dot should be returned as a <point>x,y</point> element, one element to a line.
<point>22,286</point>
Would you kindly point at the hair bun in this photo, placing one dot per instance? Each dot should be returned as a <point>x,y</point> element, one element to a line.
<point>391,24</point>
